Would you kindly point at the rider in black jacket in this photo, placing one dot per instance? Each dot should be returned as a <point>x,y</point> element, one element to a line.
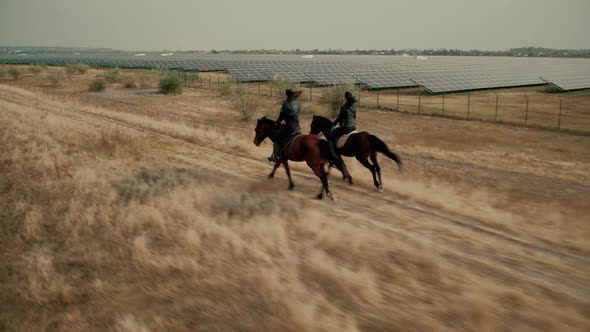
<point>290,116</point>
<point>346,120</point>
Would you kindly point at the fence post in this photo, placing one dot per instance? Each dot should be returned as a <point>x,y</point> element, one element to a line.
<point>526,112</point>
<point>496,115</point>
<point>419,103</point>
<point>559,116</point>
<point>378,99</point>
<point>397,109</point>
<point>468,104</point>
<point>443,105</point>
<point>359,97</point>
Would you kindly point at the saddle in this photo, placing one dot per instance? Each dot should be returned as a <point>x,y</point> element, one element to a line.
<point>342,139</point>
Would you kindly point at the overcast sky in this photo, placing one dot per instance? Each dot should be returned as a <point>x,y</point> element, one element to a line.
<point>304,24</point>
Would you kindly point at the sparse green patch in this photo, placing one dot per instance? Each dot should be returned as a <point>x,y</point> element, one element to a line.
<point>98,85</point>
<point>74,68</point>
<point>14,73</point>
<point>113,75</point>
<point>170,84</point>
<point>55,77</point>
<point>35,69</point>
<point>148,182</point>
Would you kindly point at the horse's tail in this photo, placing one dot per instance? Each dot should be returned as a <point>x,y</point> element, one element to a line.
<point>327,152</point>
<point>378,145</point>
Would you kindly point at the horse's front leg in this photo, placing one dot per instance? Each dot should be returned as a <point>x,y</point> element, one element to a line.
<point>286,164</point>
<point>274,169</point>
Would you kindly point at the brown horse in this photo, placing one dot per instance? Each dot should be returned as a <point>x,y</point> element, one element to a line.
<point>361,145</point>
<point>313,150</point>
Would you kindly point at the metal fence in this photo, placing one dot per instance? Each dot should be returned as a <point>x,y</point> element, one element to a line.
<point>535,109</point>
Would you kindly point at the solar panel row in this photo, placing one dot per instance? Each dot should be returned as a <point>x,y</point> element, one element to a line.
<point>436,74</point>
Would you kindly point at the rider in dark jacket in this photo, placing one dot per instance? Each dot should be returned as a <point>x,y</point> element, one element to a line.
<point>346,120</point>
<point>290,115</point>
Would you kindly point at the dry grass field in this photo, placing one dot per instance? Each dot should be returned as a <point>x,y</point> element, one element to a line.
<point>126,210</point>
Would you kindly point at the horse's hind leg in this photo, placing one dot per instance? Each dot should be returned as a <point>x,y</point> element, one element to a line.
<point>325,187</point>
<point>291,184</point>
<point>368,165</point>
<point>377,169</point>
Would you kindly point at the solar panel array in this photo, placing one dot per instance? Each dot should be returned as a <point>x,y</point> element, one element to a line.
<point>435,74</point>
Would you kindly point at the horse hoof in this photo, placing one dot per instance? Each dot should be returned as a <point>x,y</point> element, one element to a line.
<point>380,189</point>
<point>331,196</point>
<point>291,187</point>
<point>270,176</point>
<point>320,196</point>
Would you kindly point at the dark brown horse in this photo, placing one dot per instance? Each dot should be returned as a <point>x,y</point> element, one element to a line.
<point>313,150</point>
<point>361,145</point>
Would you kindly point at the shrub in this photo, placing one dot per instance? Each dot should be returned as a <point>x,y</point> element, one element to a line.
<point>55,77</point>
<point>74,68</point>
<point>113,75</point>
<point>333,96</point>
<point>130,83</point>
<point>14,73</point>
<point>225,89</point>
<point>97,85</point>
<point>280,85</point>
<point>35,69</point>
<point>149,182</point>
<point>248,105</point>
<point>170,84</point>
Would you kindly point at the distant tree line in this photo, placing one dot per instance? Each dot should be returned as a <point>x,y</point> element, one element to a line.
<point>518,52</point>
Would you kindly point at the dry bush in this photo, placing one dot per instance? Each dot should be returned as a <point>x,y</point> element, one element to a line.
<point>113,75</point>
<point>74,68</point>
<point>98,85</point>
<point>55,77</point>
<point>14,73</point>
<point>225,89</point>
<point>281,84</point>
<point>129,82</point>
<point>248,105</point>
<point>334,96</point>
<point>149,182</point>
<point>35,69</point>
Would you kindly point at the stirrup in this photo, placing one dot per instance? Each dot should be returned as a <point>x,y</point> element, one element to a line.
<point>273,158</point>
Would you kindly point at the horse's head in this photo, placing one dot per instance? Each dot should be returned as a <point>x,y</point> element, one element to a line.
<point>264,128</point>
<point>319,124</point>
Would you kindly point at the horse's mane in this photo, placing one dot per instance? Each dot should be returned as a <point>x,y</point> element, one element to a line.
<point>322,118</point>
<point>265,120</point>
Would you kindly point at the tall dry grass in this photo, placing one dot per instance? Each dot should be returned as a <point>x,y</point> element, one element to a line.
<point>99,231</point>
